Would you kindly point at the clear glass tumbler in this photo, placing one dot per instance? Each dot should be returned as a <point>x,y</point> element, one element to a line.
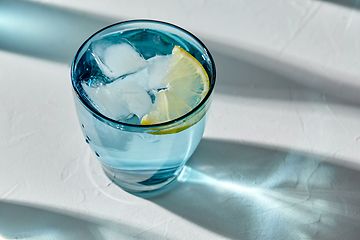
<point>142,159</point>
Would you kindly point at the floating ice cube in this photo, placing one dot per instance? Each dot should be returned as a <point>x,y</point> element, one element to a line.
<point>133,81</point>
<point>116,58</point>
<point>106,101</point>
<point>135,98</point>
<point>141,77</point>
<point>123,97</point>
<point>157,69</point>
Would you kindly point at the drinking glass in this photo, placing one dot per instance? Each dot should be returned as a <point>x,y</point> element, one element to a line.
<point>142,159</point>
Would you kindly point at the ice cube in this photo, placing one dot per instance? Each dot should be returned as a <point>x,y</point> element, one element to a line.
<point>135,98</point>
<point>106,101</point>
<point>141,77</point>
<point>157,69</point>
<point>116,58</point>
<point>131,82</point>
<point>123,97</point>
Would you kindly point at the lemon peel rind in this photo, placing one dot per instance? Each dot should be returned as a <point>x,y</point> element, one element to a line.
<point>203,82</point>
<point>182,124</point>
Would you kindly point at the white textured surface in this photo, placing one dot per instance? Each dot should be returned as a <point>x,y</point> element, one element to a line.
<point>280,156</point>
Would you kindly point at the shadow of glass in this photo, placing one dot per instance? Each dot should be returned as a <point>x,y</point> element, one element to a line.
<point>253,192</point>
<point>45,31</point>
<point>18,221</point>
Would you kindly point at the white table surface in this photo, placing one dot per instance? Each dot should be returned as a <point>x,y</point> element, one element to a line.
<point>280,157</point>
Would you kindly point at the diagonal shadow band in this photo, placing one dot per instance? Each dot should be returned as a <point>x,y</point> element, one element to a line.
<point>355,4</point>
<point>23,221</point>
<point>253,192</point>
<point>45,31</point>
<point>55,34</point>
<point>249,73</point>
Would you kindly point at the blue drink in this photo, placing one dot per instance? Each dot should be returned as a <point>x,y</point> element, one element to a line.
<point>141,159</point>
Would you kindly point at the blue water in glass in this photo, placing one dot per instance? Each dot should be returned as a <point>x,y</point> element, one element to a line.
<point>133,156</point>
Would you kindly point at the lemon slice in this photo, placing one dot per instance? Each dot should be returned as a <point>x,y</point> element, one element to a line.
<point>186,85</point>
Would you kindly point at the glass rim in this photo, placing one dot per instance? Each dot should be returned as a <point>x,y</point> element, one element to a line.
<point>163,124</point>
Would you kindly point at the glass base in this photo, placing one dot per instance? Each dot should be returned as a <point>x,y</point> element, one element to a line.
<point>144,183</point>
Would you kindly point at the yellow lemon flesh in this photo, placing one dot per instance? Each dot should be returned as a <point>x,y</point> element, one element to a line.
<point>186,85</point>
